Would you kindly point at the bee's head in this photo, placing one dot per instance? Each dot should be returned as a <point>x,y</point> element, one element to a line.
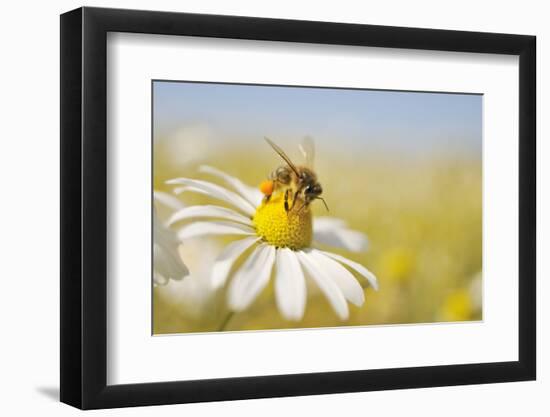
<point>314,190</point>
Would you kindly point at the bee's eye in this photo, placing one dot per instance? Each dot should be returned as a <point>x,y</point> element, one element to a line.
<point>282,174</point>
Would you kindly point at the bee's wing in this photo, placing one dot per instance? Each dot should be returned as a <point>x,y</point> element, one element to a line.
<point>307,147</point>
<point>283,155</point>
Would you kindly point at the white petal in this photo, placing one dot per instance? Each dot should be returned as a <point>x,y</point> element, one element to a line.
<point>328,287</point>
<point>159,279</point>
<point>342,277</point>
<point>251,278</point>
<point>197,229</point>
<point>215,191</point>
<point>208,211</point>
<point>325,222</point>
<point>161,265</point>
<point>227,258</point>
<point>334,232</point>
<point>162,235</point>
<point>290,285</point>
<point>251,194</point>
<point>360,269</point>
<point>167,263</point>
<point>167,199</point>
<point>166,260</point>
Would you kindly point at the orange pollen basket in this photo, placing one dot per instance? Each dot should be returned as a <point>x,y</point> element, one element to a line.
<point>266,187</point>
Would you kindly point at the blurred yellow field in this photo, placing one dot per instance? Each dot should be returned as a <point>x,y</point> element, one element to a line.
<point>423,222</point>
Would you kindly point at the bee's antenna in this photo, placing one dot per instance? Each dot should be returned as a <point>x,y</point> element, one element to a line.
<point>324,202</point>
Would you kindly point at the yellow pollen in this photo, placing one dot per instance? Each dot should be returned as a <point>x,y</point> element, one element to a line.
<point>292,229</point>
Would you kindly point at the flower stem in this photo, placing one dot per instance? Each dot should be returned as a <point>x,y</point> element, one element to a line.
<point>225,322</point>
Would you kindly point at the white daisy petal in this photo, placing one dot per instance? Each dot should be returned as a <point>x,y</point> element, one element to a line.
<point>342,277</point>
<point>360,269</point>
<point>208,211</point>
<point>328,286</point>
<point>251,278</point>
<point>215,191</point>
<point>167,199</point>
<point>290,285</point>
<point>251,194</point>
<point>163,263</point>
<point>326,222</point>
<point>197,229</point>
<point>159,279</point>
<point>168,264</point>
<point>334,232</point>
<point>227,258</point>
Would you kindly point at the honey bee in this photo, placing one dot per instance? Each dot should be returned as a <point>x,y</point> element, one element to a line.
<point>298,181</point>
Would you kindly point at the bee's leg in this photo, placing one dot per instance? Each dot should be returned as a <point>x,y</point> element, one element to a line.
<point>298,191</point>
<point>287,192</point>
<point>302,207</point>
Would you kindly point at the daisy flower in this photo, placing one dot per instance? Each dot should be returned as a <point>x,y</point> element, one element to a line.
<point>167,263</point>
<point>193,297</point>
<point>273,241</point>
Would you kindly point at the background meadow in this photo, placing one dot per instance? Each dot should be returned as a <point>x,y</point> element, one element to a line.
<point>404,168</point>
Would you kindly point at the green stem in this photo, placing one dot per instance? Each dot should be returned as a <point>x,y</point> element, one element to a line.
<point>226,321</point>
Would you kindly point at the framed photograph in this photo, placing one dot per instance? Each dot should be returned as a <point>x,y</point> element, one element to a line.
<point>257,208</point>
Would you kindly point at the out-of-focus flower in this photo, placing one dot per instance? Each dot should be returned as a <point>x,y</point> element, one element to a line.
<point>457,306</point>
<point>194,296</point>
<point>465,303</point>
<point>167,263</point>
<point>273,239</point>
<point>184,146</point>
<point>397,264</point>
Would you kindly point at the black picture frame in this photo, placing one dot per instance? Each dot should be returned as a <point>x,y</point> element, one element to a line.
<point>84,207</point>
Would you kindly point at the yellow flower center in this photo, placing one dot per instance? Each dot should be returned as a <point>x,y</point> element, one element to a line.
<point>292,229</point>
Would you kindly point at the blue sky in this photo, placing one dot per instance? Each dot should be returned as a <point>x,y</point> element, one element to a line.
<point>407,121</point>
